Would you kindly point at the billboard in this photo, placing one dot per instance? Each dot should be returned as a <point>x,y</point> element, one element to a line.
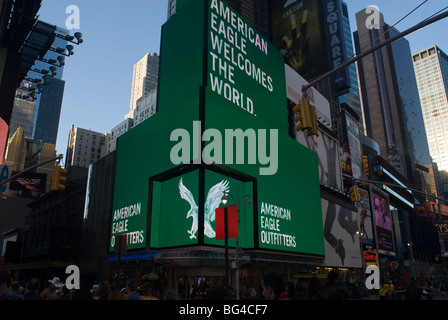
<point>30,181</point>
<point>298,32</point>
<point>342,247</point>
<point>352,136</point>
<point>222,123</point>
<point>336,44</point>
<point>383,222</point>
<point>3,139</point>
<point>181,218</point>
<point>244,68</point>
<point>328,153</point>
<point>365,219</point>
<point>294,84</point>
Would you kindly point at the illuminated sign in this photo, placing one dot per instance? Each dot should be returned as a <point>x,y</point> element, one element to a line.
<point>370,258</point>
<point>336,43</point>
<point>243,67</point>
<point>383,221</point>
<point>229,79</point>
<point>298,33</point>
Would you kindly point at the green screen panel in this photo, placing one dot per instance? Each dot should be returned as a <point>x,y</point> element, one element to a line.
<point>244,68</point>
<point>238,193</point>
<point>291,186</point>
<point>175,210</point>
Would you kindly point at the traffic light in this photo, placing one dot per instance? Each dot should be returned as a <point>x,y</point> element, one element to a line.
<point>302,112</point>
<point>306,117</point>
<point>313,119</point>
<point>354,194</point>
<point>59,179</point>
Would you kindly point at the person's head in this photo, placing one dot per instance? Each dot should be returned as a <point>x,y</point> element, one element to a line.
<point>82,294</point>
<point>273,285</point>
<point>5,280</point>
<point>131,285</point>
<point>32,285</point>
<point>332,277</point>
<point>104,289</point>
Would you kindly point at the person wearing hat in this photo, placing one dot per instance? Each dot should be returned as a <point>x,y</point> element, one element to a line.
<point>131,289</point>
<point>51,292</point>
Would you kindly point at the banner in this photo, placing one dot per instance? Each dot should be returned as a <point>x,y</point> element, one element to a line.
<point>232,222</point>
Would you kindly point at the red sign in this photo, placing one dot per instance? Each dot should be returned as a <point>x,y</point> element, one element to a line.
<point>232,222</point>
<point>370,257</point>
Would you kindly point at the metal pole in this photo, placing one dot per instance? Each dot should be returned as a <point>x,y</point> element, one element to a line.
<point>385,43</point>
<point>226,231</point>
<point>32,167</point>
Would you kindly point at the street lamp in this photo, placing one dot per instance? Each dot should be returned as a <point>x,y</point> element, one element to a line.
<point>224,200</point>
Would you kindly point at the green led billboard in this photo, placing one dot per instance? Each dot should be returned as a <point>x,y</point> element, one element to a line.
<point>222,124</point>
<point>181,217</point>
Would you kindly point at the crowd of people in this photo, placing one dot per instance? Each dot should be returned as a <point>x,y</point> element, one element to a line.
<point>54,289</point>
<point>273,288</point>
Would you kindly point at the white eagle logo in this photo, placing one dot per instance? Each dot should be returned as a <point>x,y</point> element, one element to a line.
<point>211,203</point>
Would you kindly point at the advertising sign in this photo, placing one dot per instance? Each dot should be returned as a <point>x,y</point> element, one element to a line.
<point>353,138</point>
<point>336,43</point>
<point>3,139</point>
<point>298,32</point>
<point>31,181</point>
<point>342,247</point>
<point>4,175</point>
<point>222,125</point>
<point>328,151</point>
<point>370,258</point>
<point>383,222</point>
<point>244,68</point>
<point>294,84</point>
<point>180,218</point>
<point>365,218</point>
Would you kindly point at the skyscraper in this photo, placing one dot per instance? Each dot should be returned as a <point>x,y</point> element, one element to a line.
<point>40,118</point>
<point>50,105</point>
<point>85,147</point>
<point>144,79</point>
<point>431,71</point>
<point>393,116</point>
<point>352,97</point>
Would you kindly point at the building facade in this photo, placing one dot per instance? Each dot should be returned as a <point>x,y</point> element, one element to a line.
<point>85,147</point>
<point>431,72</point>
<point>117,131</point>
<point>391,104</point>
<point>37,110</point>
<point>144,79</point>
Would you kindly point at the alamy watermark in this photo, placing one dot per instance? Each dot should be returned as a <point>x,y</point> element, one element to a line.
<point>73,280</point>
<point>73,21</point>
<point>233,151</point>
<point>372,277</point>
<point>373,20</point>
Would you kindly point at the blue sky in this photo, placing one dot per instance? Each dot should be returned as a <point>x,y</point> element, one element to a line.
<point>118,33</point>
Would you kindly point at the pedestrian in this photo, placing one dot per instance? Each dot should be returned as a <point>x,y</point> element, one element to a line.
<point>6,292</point>
<point>116,295</point>
<point>312,289</point>
<point>82,293</point>
<point>274,286</point>
<point>51,291</point>
<point>32,288</point>
<point>386,291</point>
<point>413,292</point>
<point>333,290</point>
<point>103,290</point>
<point>131,289</point>
<point>66,294</point>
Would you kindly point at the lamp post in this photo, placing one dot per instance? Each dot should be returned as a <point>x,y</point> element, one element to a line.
<point>224,200</point>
